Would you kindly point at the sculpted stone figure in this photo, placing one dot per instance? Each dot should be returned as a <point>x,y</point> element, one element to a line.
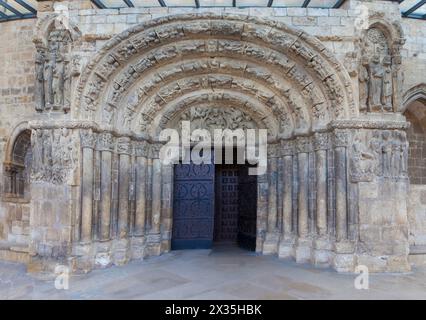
<point>387,89</point>
<point>362,161</point>
<point>387,154</point>
<point>364,79</point>
<point>50,66</point>
<point>375,84</point>
<point>39,85</point>
<point>37,151</point>
<point>58,82</point>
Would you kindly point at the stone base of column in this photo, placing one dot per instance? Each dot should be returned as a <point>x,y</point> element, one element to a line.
<point>137,248</point>
<point>121,252</point>
<point>103,257</point>
<point>83,258</point>
<point>322,252</point>
<point>344,259</point>
<point>270,245</point>
<point>153,245</point>
<point>392,263</point>
<point>286,248</point>
<point>303,250</point>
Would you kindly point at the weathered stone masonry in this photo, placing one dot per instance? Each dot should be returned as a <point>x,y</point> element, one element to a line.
<point>337,188</point>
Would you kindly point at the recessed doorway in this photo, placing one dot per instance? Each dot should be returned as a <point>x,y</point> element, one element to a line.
<point>214,204</point>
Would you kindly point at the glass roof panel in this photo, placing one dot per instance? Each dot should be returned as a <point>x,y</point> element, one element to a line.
<point>321,3</point>
<point>215,3</point>
<point>251,3</point>
<point>146,3</point>
<point>180,3</point>
<point>20,9</point>
<point>114,3</point>
<point>288,3</point>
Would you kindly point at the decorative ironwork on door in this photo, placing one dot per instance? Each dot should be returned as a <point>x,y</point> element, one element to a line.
<point>193,206</point>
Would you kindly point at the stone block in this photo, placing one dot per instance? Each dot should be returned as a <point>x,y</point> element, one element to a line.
<point>299,12</point>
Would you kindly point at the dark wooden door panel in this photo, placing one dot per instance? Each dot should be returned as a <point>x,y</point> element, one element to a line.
<point>247,207</point>
<point>226,218</point>
<point>193,206</point>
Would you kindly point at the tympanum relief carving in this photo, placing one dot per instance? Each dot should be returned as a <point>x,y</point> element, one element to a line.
<point>217,118</point>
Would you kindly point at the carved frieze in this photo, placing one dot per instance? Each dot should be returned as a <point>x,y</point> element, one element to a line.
<point>376,153</point>
<point>55,155</point>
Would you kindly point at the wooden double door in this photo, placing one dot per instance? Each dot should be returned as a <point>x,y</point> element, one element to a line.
<point>214,204</point>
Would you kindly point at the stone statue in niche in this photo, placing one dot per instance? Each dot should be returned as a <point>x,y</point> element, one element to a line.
<point>58,81</point>
<point>54,155</point>
<point>53,73</point>
<point>364,79</point>
<point>387,90</point>
<point>376,74</point>
<point>39,85</point>
<point>375,84</point>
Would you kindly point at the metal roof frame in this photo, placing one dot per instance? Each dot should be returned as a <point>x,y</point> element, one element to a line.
<point>23,9</point>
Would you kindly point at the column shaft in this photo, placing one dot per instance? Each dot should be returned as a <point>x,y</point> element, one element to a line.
<point>87,195</point>
<point>106,190</point>
<point>156,196</point>
<point>341,193</point>
<point>321,186</point>
<point>303,200</point>
<point>140,218</point>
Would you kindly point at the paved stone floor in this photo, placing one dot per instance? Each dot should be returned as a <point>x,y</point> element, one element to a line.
<point>224,273</point>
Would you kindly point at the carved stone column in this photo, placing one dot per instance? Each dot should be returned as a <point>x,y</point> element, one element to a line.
<point>272,236</point>
<point>138,240</point>
<point>121,250</point>
<point>124,150</point>
<point>286,248</point>
<point>106,147</point>
<point>344,250</point>
<point>166,206</point>
<point>303,246</point>
<point>87,143</point>
<point>322,244</point>
<point>154,238</point>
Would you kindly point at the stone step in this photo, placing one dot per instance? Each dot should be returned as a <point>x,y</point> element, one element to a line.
<point>14,256</point>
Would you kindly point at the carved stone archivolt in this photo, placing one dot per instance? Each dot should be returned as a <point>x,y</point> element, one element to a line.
<point>297,69</point>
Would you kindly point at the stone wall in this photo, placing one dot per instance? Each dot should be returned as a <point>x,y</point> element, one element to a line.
<point>417,215</point>
<point>16,106</point>
<point>80,216</point>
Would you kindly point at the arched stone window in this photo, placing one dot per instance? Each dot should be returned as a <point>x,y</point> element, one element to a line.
<point>17,168</point>
<point>416,114</point>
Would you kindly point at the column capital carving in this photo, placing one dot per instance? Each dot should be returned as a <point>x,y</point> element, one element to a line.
<point>141,149</point>
<point>87,139</point>
<point>321,141</point>
<point>303,145</point>
<point>273,151</point>
<point>105,142</point>
<point>154,150</point>
<point>287,148</point>
<point>124,146</point>
<point>341,138</point>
